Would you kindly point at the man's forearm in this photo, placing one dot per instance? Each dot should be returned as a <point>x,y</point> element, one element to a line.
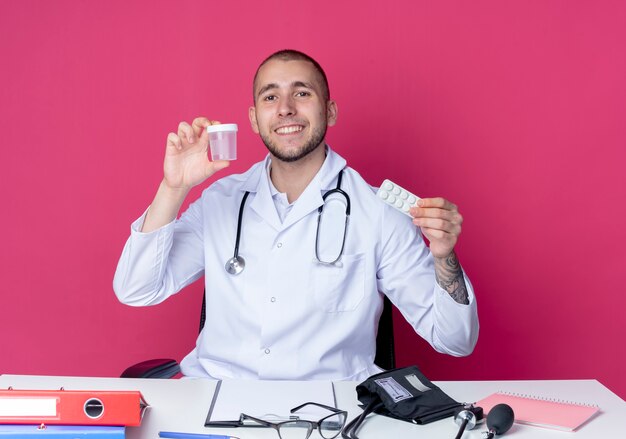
<point>450,277</point>
<point>164,207</point>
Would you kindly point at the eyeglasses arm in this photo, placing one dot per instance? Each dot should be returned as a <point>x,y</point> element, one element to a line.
<point>332,409</point>
<point>243,417</point>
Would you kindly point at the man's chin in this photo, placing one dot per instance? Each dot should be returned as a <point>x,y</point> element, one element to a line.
<point>292,153</point>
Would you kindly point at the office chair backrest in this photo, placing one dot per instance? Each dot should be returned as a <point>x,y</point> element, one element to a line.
<point>385,348</point>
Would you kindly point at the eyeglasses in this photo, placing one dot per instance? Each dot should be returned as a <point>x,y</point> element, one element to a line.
<point>329,426</point>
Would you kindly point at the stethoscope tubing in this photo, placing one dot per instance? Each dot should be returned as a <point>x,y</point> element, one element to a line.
<point>239,221</point>
<point>236,264</point>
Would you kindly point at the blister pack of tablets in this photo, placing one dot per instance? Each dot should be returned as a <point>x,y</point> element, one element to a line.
<point>397,196</point>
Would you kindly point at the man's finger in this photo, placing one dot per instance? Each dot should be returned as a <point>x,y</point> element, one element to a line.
<point>213,167</point>
<point>199,124</point>
<point>437,224</point>
<point>186,132</point>
<point>452,216</point>
<point>174,140</point>
<point>436,234</point>
<point>431,212</point>
<point>439,202</point>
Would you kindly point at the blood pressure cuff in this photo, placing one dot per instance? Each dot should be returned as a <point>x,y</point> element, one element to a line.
<point>404,394</point>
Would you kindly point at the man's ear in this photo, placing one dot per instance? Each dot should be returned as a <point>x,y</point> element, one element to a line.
<point>252,117</point>
<point>331,113</point>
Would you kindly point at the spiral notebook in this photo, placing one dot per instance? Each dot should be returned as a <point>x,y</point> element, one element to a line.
<point>542,412</point>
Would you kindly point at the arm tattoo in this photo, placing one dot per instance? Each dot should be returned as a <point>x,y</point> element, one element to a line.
<point>450,277</point>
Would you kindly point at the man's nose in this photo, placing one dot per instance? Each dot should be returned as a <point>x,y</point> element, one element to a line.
<point>287,106</point>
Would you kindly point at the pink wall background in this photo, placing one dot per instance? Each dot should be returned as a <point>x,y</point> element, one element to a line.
<point>513,110</point>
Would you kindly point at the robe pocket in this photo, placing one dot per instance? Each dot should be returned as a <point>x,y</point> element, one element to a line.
<point>339,287</point>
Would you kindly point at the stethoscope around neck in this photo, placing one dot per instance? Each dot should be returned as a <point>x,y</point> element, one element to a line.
<point>237,263</point>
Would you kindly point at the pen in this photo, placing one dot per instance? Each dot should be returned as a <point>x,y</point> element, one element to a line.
<point>176,435</point>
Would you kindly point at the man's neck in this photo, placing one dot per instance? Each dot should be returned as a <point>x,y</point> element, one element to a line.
<point>292,178</point>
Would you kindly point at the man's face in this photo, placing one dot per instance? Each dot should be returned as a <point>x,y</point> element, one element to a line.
<point>290,111</point>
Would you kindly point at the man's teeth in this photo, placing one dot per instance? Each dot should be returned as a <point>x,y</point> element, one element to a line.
<point>288,130</point>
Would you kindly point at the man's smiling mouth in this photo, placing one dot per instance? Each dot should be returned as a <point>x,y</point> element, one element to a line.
<point>289,129</point>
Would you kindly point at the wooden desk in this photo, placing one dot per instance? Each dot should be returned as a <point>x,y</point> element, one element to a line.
<point>182,405</point>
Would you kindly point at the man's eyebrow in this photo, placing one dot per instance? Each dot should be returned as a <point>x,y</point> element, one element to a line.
<point>265,88</point>
<point>273,85</point>
<point>302,84</point>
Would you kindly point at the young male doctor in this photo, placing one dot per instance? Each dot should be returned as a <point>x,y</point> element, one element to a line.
<point>303,308</point>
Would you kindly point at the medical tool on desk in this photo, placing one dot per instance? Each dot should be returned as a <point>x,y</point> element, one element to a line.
<point>499,420</point>
<point>237,263</point>
<point>467,417</point>
<point>404,394</point>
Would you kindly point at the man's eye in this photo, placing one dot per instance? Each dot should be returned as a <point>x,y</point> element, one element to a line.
<point>269,98</point>
<point>303,93</point>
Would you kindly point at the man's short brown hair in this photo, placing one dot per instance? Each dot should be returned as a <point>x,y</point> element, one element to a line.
<point>293,55</point>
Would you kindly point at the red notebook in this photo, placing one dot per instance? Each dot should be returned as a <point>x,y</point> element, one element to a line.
<point>541,412</point>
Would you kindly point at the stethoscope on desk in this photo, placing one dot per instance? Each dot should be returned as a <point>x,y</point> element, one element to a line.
<point>237,263</point>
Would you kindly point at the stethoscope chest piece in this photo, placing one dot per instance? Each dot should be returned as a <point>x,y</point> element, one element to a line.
<point>235,265</point>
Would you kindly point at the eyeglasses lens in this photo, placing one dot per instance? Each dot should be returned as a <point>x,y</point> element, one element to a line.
<point>295,430</point>
<point>331,426</point>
